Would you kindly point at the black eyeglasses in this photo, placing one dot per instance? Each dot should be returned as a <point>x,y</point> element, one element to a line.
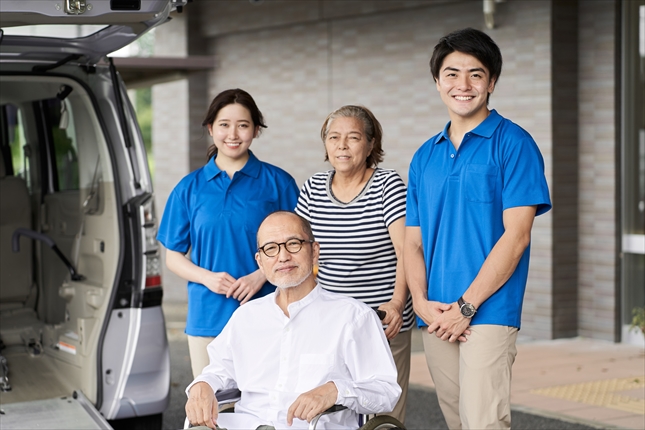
<point>293,246</point>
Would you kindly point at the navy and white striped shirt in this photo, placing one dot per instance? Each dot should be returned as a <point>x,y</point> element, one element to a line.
<point>357,256</point>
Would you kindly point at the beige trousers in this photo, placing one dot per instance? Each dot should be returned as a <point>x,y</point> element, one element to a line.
<point>400,347</point>
<point>473,378</point>
<point>198,353</point>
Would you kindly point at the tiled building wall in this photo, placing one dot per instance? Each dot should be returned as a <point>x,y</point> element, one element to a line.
<point>301,62</point>
<point>597,152</point>
<point>524,94</point>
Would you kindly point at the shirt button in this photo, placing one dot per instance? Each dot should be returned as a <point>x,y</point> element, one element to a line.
<point>452,155</point>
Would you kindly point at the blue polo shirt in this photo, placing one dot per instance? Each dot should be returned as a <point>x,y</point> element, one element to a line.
<point>217,219</point>
<point>457,197</point>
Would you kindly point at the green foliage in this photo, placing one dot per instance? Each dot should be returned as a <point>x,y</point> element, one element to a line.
<point>638,319</point>
<point>66,160</point>
<point>143,46</point>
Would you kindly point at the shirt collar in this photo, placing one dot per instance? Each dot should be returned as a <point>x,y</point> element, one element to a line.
<point>251,168</point>
<point>485,129</point>
<point>444,135</point>
<point>295,307</point>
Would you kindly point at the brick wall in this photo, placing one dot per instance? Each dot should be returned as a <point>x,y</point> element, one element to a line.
<point>300,60</point>
<point>305,62</point>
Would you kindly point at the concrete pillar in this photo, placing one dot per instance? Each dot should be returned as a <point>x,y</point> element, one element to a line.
<point>170,140</point>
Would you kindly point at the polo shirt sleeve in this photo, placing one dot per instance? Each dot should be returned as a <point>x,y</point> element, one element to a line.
<point>412,201</point>
<point>302,208</point>
<point>288,193</point>
<point>524,180</point>
<point>174,229</point>
<point>393,198</point>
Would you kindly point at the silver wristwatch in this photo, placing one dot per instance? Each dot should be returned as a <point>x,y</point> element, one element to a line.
<point>467,309</point>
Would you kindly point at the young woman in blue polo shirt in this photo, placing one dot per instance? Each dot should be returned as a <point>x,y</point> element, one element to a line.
<point>214,212</point>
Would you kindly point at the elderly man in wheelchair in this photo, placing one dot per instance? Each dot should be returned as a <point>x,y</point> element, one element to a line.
<point>297,352</point>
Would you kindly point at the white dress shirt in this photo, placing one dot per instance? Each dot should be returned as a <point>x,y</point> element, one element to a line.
<point>273,359</point>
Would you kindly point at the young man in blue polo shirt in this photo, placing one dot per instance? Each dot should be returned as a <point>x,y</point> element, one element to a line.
<point>474,190</point>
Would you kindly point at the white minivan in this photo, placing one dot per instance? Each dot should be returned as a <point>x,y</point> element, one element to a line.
<point>82,334</point>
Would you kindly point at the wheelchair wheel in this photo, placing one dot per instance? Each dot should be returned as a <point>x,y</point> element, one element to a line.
<point>381,422</point>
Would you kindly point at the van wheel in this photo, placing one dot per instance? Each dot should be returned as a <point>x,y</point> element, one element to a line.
<point>149,422</point>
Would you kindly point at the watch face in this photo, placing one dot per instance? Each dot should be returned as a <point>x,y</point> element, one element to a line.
<point>468,310</point>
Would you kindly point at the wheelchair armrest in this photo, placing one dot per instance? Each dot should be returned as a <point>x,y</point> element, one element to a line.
<point>230,395</point>
<point>331,410</point>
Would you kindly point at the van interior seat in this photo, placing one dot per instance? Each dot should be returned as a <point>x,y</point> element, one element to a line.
<point>17,312</point>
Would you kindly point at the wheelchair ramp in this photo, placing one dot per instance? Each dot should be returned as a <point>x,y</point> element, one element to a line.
<point>63,413</point>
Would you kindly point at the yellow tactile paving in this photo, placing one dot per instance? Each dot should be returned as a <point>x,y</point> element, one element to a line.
<point>604,393</point>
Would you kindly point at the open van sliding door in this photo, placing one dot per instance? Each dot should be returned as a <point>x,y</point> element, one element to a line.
<point>80,212</point>
<point>74,205</point>
<point>135,355</point>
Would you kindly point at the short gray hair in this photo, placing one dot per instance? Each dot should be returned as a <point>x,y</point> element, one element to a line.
<point>371,127</point>
<point>304,224</point>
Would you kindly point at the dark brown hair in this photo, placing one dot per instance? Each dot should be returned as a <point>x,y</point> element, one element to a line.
<point>371,127</point>
<point>230,97</point>
<point>472,42</point>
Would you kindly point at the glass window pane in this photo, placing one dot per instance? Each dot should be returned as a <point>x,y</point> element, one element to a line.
<point>634,293</point>
<point>17,142</point>
<point>633,161</point>
<point>61,122</point>
<point>634,113</point>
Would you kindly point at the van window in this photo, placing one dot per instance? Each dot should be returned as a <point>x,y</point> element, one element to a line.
<point>63,136</point>
<point>13,119</point>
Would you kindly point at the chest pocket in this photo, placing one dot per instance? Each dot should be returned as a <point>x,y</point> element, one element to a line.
<point>480,181</point>
<point>313,371</point>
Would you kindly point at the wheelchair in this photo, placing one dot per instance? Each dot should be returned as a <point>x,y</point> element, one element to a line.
<point>227,398</point>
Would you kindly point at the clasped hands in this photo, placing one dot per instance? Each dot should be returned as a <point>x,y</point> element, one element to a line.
<point>444,320</point>
<point>202,407</point>
<point>242,289</point>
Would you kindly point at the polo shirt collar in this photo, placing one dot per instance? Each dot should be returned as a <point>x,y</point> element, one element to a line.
<point>485,129</point>
<point>251,168</point>
<point>444,135</point>
<point>488,126</point>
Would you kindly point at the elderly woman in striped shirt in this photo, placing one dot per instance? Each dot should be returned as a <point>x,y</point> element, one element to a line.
<point>357,213</point>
